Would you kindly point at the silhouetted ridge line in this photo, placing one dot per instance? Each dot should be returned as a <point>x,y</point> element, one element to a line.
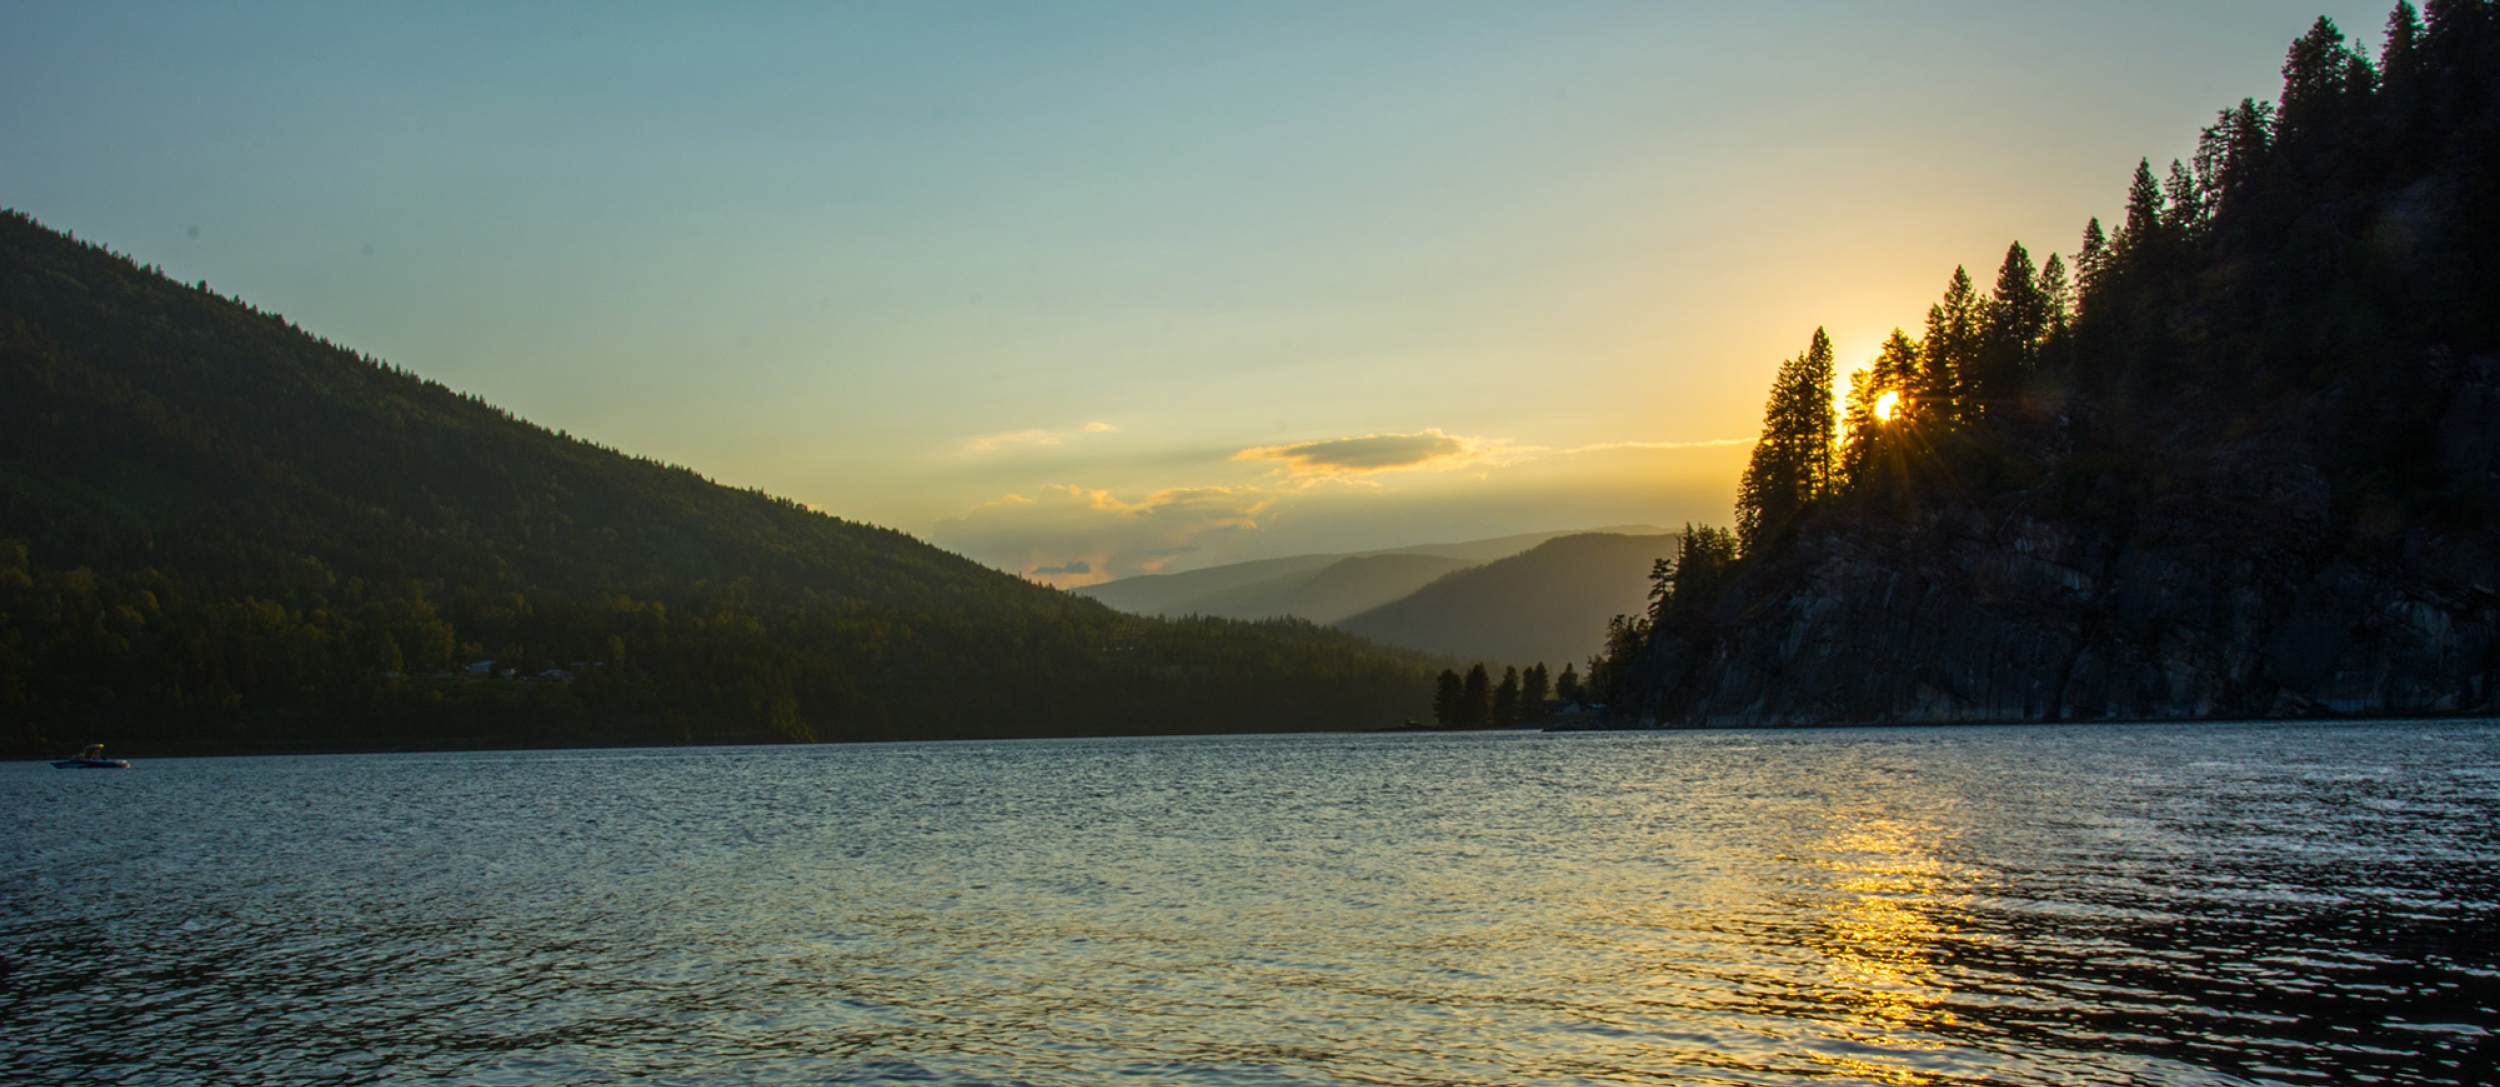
<point>220,532</point>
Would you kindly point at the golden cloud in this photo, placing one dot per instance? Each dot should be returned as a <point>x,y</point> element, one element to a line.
<point>1343,458</point>
<point>1070,536</point>
<point>1035,436</point>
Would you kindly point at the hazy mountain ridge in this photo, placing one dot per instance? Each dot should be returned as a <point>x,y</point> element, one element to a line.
<point>1330,593</point>
<point>1169,594</point>
<point>217,532</point>
<point>1550,603</point>
<point>1284,586</point>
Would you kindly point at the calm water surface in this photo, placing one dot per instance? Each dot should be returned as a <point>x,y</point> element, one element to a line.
<point>2140,905</point>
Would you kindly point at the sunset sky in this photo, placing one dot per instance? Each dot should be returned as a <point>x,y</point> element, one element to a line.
<point>1091,290</point>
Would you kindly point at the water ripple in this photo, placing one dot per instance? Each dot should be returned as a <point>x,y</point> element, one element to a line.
<point>2152,905</point>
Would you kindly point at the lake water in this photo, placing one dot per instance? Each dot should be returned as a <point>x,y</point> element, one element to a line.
<point>2139,905</point>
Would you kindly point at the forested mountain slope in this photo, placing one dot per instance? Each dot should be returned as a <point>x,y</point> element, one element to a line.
<point>2245,461</point>
<point>1549,604</point>
<point>218,532</point>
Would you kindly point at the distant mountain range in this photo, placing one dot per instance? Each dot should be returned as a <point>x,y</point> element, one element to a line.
<point>1320,588</point>
<point>1509,600</point>
<point>1331,592</point>
<point>1549,603</point>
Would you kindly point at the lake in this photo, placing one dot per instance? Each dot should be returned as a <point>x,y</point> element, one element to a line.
<point>2251,903</point>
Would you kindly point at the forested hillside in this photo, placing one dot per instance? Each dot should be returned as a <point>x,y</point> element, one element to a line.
<point>220,533</point>
<point>2239,457</point>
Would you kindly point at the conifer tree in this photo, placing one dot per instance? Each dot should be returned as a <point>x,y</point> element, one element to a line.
<point>1506,711</point>
<point>2185,218</point>
<point>1897,366</point>
<point>1448,698</point>
<point>2400,69</point>
<point>2058,294</point>
<point>1567,685</point>
<point>1475,700</point>
<point>1705,558</point>
<point>2091,262</point>
<point>1894,374</point>
<point>1535,686</point>
<point>1948,352</point>
<point>2016,317</point>
<point>1793,465</point>
<point>2324,78</point>
<point>2404,36</point>
<point>1626,636</point>
<point>2230,153</point>
<point>1857,426</point>
<point>2140,238</point>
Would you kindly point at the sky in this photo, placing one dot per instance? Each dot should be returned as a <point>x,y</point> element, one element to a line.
<point>1087,290</point>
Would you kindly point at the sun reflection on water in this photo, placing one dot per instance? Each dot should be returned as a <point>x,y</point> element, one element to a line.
<point>1888,904</point>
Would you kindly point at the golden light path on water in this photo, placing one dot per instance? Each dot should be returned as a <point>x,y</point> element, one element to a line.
<point>1896,905</point>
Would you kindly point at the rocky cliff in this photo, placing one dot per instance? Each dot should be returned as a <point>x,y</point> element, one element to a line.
<point>2237,584</point>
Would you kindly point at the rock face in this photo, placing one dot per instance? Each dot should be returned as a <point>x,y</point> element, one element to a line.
<point>2243,588</point>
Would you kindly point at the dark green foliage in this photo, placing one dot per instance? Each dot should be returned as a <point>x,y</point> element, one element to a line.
<point>1683,591</point>
<point>2322,254</point>
<point>1626,635</point>
<point>1475,699</point>
<point>1687,586</point>
<point>2058,293</point>
<point>2142,239</point>
<point>1793,465</point>
<point>1948,354</point>
<point>1449,700</point>
<point>220,533</point>
<point>1535,688</point>
<point>2327,87</point>
<point>1874,441</point>
<point>1567,686</point>
<point>2015,321</point>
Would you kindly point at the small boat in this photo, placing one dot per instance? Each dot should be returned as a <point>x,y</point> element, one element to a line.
<point>92,758</point>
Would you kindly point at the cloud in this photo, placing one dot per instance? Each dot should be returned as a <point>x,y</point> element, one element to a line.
<point>1070,536</point>
<point>1034,436</point>
<point>1371,454</point>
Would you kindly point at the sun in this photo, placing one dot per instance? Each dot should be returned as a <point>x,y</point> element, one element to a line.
<point>1887,404</point>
